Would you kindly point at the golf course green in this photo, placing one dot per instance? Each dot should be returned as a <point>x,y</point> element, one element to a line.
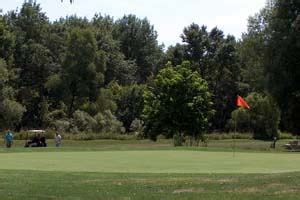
<point>154,161</point>
<point>132,169</point>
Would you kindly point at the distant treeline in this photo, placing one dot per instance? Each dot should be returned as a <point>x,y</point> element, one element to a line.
<point>79,75</point>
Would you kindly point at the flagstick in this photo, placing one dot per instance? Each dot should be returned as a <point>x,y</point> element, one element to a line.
<point>234,138</point>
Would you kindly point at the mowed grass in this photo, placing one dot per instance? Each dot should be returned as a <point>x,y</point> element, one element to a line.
<point>147,170</point>
<point>70,186</point>
<point>155,161</point>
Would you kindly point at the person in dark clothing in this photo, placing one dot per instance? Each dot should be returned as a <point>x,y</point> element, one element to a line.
<point>43,142</point>
<point>34,142</point>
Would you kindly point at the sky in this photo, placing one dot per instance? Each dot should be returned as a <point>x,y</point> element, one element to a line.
<point>169,17</point>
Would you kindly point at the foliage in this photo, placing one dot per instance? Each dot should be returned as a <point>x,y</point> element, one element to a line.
<point>105,101</point>
<point>101,66</point>
<point>7,42</point>
<point>130,104</point>
<point>281,60</point>
<point>215,58</point>
<point>178,103</point>
<point>262,118</point>
<point>11,113</point>
<point>83,121</point>
<point>251,51</point>
<point>138,41</point>
<point>106,122</point>
<point>80,77</point>
<point>137,127</point>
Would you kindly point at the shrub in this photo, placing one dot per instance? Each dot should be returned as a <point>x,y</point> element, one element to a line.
<point>178,140</point>
<point>137,127</point>
<point>227,136</point>
<point>83,121</point>
<point>285,136</point>
<point>106,122</point>
<point>262,118</point>
<point>11,113</point>
<point>61,125</point>
<point>130,103</point>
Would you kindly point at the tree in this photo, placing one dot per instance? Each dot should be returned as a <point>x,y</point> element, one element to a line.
<point>215,57</point>
<point>32,60</point>
<point>80,76</point>
<point>11,112</point>
<point>138,42</point>
<point>282,67</point>
<point>178,103</point>
<point>251,51</point>
<point>130,104</point>
<point>176,54</point>
<point>7,42</point>
<point>120,70</point>
<point>35,72</point>
<point>262,119</point>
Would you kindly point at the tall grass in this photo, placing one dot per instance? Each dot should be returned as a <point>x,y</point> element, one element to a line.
<point>25,135</point>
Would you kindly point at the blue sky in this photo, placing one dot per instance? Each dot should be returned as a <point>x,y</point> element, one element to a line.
<point>169,17</point>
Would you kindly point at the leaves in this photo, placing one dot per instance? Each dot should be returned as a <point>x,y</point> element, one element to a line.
<point>179,102</point>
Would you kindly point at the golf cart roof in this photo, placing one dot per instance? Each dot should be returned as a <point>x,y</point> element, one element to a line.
<point>36,131</point>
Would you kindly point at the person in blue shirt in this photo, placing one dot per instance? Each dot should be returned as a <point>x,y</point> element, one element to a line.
<point>9,137</point>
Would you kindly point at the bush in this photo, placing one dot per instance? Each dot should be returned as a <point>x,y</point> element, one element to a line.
<point>11,113</point>
<point>137,127</point>
<point>61,125</point>
<point>96,136</point>
<point>262,119</point>
<point>227,136</point>
<point>285,136</point>
<point>83,121</point>
<point>130,103</point>
<point>107,123</point>
<point>178,140</point>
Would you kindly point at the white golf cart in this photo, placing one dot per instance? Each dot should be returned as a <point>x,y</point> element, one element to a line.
<point>36,138</point>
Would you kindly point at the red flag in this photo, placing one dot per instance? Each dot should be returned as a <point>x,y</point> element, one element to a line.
<point>242,103</point>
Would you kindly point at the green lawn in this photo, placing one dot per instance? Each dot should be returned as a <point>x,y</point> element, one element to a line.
<point>72,186</point>
<point>147,170</point>
<point>155,161</point>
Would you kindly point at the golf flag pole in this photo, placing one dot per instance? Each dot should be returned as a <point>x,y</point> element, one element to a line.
<point>234,135</point>
<point>240,102</point>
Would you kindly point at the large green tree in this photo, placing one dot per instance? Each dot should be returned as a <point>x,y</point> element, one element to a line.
<point>215,57</point>
<point>80,75</point>
<point>32,59</point>
<point>11,112</point>
<point>130,103</point>
<point>138,42</point>
<point>251,51</point>
<point>178,103</point>
<point>282,66</point>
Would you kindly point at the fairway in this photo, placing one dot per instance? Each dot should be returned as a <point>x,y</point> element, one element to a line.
<point>155,161</point>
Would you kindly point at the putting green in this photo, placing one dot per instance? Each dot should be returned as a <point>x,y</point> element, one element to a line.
<point>152,162</point>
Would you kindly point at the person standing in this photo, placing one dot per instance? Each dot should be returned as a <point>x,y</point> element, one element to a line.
<point>57,139</point>
<point>9,137</point>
